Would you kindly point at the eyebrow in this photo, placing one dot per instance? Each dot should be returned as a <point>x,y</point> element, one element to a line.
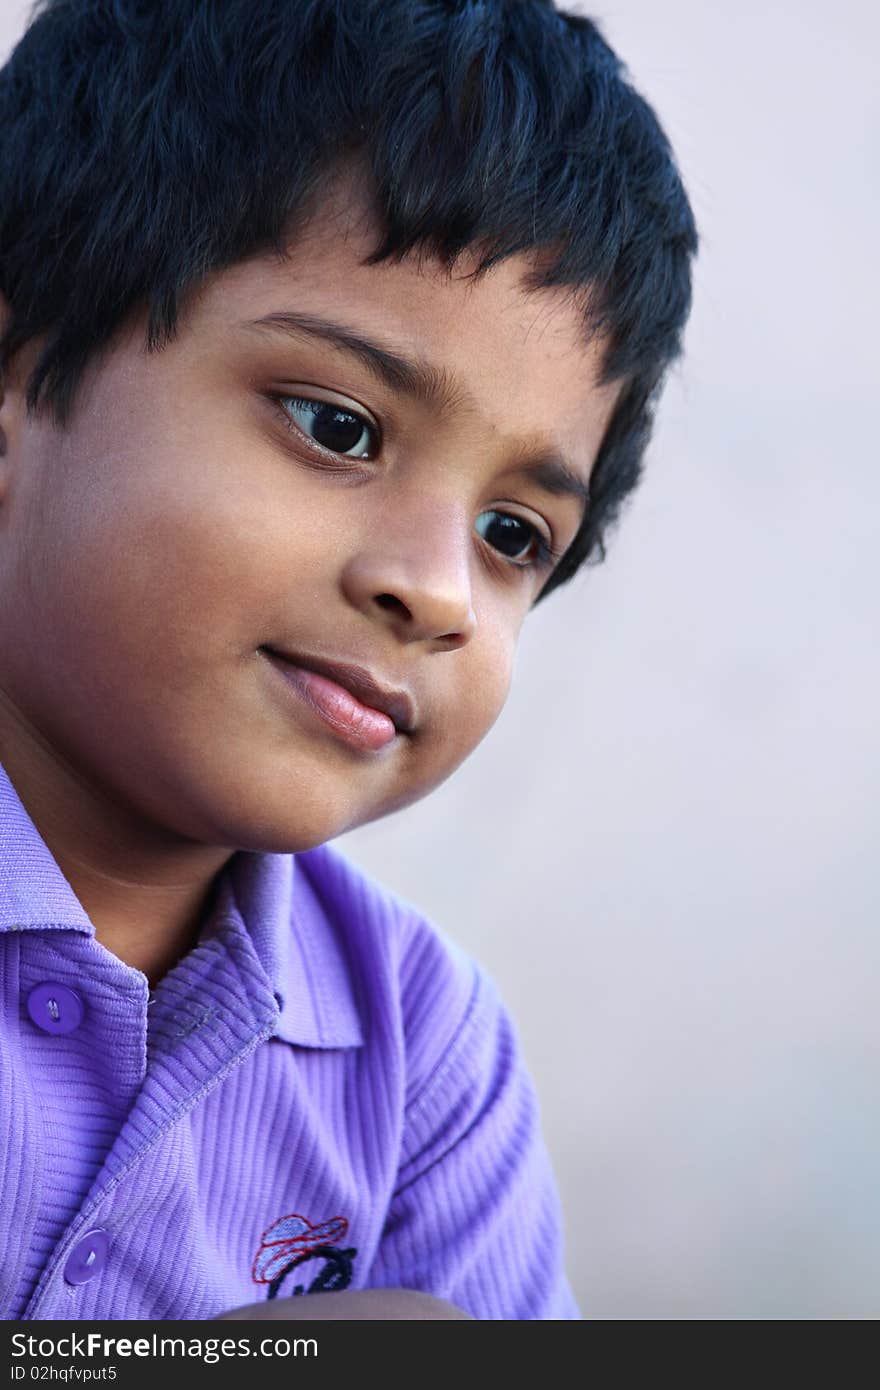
<point>422,381</point>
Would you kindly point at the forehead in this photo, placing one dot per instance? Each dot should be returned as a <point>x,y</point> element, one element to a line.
<point>517,361</point>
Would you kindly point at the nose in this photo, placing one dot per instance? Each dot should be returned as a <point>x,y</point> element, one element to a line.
<point>412,570</point>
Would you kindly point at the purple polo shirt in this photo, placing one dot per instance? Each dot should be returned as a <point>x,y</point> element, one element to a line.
<point>325,1092</point>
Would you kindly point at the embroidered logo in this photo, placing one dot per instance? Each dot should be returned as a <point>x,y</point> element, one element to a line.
<point>293,1239</point>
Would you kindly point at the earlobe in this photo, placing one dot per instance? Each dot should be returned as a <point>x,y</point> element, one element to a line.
<point>4,320</point>
<point>8,389</point>
<point>5,425</point>
<point>2,431</point>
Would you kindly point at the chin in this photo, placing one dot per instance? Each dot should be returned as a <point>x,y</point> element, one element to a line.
<point>290,835</point>
<point>290,823</point>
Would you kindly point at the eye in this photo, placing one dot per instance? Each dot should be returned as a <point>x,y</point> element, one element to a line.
<point>512,535</point>
<point>333,427</point>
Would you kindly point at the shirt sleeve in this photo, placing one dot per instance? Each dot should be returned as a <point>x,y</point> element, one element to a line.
<point>475,1216</point>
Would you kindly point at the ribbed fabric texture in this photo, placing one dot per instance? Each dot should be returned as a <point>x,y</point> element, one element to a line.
<point>323,1054</point>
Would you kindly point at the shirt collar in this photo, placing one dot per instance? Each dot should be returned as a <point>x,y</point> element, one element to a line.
<point>33,891</point>
<point>275,896</point>
<point>271,898</point>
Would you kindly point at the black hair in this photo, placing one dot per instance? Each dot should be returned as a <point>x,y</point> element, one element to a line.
<point>149,143</point>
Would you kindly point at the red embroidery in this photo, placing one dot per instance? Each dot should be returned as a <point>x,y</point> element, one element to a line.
<point>289,1239</point>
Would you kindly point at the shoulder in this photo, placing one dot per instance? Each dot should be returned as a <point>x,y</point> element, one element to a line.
<point>400,961</point>
<point>475,1216</point>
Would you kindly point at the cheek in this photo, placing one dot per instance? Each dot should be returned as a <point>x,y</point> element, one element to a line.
<point>496,687</point>
<point>131,560</point>
<point>461,716</point>
<point>481,692</point>
<point>191,545</point>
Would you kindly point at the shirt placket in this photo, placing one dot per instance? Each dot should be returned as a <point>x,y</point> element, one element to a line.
<point>212,1010</point>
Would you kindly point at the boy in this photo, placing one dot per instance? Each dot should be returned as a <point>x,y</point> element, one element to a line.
<point>332,332</point>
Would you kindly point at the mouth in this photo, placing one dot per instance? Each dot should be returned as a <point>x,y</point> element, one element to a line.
<point>348,699</point>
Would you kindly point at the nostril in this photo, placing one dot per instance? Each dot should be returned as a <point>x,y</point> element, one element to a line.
<point>391,601</point>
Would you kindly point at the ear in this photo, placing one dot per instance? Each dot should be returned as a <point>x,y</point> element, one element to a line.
<point>11,394</point>
<point>4,319</point>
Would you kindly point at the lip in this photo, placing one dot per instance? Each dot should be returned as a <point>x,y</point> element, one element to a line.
<point>367,690</point>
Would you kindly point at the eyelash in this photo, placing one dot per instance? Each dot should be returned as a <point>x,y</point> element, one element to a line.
<point>546,554</point>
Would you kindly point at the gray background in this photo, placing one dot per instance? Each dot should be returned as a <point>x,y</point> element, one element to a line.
<point>665,850</point>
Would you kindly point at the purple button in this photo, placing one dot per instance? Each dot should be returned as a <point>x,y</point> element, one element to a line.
<point>87,1258</point>
<point>55,1008</point>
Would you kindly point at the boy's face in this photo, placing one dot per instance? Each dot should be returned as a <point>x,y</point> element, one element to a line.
<point>183,524</point>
